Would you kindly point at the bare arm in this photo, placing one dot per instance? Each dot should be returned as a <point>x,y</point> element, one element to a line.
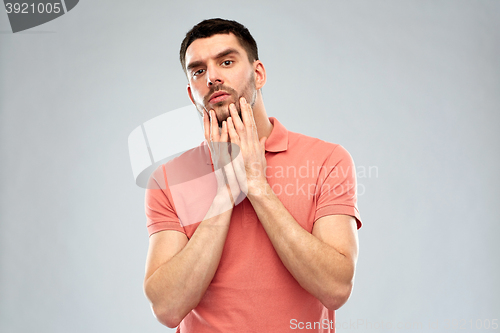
<point>322,262</point>
<point>179,271</point>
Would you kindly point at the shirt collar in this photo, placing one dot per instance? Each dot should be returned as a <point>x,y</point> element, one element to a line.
<point>276,142</point>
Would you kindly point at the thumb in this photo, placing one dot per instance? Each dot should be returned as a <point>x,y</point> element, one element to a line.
<point>263,143</point>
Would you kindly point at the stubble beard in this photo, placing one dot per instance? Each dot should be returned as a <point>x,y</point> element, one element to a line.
<point>222,108</point>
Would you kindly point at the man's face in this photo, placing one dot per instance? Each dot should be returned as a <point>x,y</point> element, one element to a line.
<point>219,73</point>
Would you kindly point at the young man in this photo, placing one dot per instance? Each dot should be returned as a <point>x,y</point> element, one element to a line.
<point>255,231</point>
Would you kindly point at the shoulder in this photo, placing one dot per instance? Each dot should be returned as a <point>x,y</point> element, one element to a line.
<point>307,145</point>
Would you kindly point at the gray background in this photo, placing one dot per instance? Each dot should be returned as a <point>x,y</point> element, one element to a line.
<point>410,88</point>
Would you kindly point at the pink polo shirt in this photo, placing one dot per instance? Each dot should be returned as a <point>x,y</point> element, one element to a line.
<point>252,291</point>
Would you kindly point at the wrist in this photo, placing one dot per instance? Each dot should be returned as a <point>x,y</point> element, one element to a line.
<point>222,196</point>
<point>259,192</point>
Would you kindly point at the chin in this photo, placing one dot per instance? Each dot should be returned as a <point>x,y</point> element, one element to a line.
<point>221,118</point>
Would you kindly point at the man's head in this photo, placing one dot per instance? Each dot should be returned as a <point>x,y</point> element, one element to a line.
<point>208,28</point>
<point>221,63</point>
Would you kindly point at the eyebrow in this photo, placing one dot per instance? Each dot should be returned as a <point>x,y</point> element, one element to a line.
<point>226,53</point>
<point>221,54</point>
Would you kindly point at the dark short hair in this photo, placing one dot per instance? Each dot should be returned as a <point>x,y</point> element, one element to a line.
<point>210,27</point>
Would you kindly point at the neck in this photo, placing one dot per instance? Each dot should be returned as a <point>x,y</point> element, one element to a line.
<point>264,126</point>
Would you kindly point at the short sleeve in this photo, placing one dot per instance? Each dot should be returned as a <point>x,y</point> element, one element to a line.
<point>337,192</point>
<point>160,211</point>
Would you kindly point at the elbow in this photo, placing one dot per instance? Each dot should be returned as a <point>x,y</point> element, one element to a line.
<point>162,311</point>
<point>337,297</point>
<point>165,317</point>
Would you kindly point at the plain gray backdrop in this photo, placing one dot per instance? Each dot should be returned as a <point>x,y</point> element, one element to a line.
<point>410,88</point>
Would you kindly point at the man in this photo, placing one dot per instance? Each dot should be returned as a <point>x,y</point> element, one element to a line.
<point>270,244</point>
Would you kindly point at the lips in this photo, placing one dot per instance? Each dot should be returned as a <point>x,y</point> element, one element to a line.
<point>218,96</point>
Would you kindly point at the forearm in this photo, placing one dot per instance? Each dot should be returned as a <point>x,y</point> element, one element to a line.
<point>319,268</point>
<point>178,285</point>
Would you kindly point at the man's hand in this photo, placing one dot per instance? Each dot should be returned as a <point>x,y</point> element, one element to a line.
<point>250,170</point>
<point>218,143</point>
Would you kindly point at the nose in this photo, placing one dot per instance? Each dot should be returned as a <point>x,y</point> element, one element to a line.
<point>213,77</point>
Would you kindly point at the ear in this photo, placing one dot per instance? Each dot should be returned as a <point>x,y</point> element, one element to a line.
<point>260,74</point>
<point>190,94</point>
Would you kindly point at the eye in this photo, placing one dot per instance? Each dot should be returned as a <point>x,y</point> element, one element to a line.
<point>227,62</point>
<point>198,72</point>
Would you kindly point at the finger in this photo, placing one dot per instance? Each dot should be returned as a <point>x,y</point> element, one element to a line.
<point>263,143</point>
<point>233,135</point>
<point>224,134</point>
<point>208,138</point>
<point>238,164</point>
<point>248,118</point>
<point>206,125</point>
<point>237,160</point>
<point>214,127</point>
<point>237,123</point>
<point>246,112</point>
<point>248,121</point>
<point>223,145</point>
